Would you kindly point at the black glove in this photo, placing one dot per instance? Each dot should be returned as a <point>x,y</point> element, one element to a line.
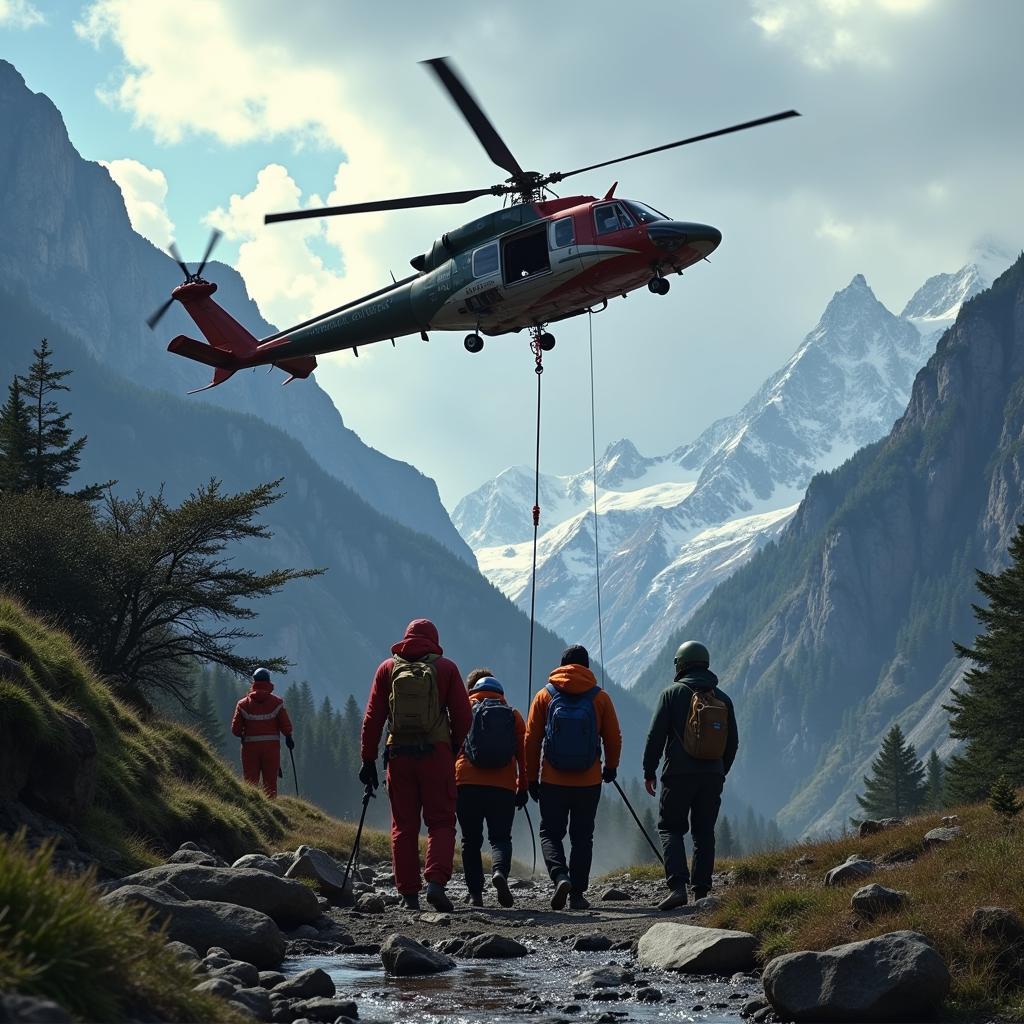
<point>289,742</point>
<point>534,791</point>
<point>609,774</point>
<point>521,799</point>
<point>368,774</point>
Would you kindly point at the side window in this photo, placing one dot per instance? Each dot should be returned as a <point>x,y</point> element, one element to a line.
<point>563,233</point>
<point>485,260</point>
<point>625,220</point>
<point>606,218</point>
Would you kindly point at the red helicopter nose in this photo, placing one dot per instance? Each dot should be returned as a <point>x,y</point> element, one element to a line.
<point>673,235</point>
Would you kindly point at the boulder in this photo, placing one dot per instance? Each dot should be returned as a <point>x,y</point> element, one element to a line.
<point>941,836</point>
<point>259,862</point>
<point>648,994</point>
<point>604,977</point>
<point>852,869</point>
<point>897,976</point>
<point>683,947</point>
<point>872,900</point>
<point>326,1010</point>
<point>283,860</point>
<point>200,857</point>
<point>288,902</point>
<point>614,895</point>
<point>216,987</point>
<point>255,1000</point>
<point>591,942</point>
<point>324,871</point>
<point>999,923</point>
<point>403,956</point>
<point>870,827</point>
<point>268,979</point>
<point>247,934</point>
<point>183,952</point>
<point>307,985</point>
<point>492,946</point>
<point>18,1009</point>
<point>370,903</point>
<point>243,974</point>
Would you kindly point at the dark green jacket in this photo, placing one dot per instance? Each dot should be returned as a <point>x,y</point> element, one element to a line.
<point>665,736</point>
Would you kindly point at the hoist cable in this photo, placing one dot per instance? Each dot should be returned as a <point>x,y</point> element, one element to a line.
<point>538,355</point>
<point>593,451</point>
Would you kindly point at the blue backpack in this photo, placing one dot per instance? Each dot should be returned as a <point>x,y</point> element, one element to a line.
<point>571,740</point>
<point>491,742</point>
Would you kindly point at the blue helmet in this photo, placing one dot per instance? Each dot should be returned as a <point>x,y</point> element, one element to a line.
<point>261,675</point>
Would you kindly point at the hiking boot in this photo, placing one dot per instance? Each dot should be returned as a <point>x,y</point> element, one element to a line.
<point>577,901</point>
<point>500,883</point>
<point>411,900</point>
<point>562,890</point>
<point>699,894</point>
<point>674,900</point>
<point>438,898</point>
<point>475,899</point>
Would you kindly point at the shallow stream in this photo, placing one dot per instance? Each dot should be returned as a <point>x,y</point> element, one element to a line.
<point>540,987</point>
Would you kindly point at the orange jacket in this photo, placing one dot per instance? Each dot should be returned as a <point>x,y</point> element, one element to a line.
<point>572,679</point>
<point>260,716</point>
<point>513,775</point>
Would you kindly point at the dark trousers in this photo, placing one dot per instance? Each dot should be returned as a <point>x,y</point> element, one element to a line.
<point>496,807</point>
<point>689,803</point>
<point>572,809</point>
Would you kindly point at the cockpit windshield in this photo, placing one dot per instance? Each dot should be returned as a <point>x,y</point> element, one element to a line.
<point>644,214</point>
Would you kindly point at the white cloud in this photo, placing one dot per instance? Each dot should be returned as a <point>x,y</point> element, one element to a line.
<point>827,33</point>
<point>145,194</point>
<point>834,230</point>
<point>20,14</point>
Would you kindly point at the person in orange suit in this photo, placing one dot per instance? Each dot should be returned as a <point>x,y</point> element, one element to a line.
<point>260,719</point>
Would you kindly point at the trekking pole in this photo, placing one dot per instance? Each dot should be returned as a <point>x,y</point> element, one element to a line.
<point>295,774</point>
<point>639,823</point>
<point>533,839</point>
<point>367,793</point>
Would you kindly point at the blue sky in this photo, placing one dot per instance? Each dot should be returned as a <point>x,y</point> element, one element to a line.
<point>909,152</point>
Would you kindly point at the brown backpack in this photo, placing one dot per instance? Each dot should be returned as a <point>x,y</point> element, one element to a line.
<point>707,727</point>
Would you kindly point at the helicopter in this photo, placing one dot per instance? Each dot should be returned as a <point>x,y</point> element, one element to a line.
<point>540,259</point>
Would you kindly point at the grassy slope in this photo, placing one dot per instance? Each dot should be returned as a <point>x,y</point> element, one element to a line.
<point>788,908</point>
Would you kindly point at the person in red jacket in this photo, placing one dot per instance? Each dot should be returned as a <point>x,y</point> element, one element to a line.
<point>259,721</point>
<point>490,788</point>
<point>419,694</point>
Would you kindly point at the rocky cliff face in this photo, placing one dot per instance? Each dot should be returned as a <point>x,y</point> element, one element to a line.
<point>66,245</point>
<point>845,625</point>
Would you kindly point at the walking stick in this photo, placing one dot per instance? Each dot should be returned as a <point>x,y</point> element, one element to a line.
<point>639,824</point>
<point>295,774</point>
<point>533,839</point>
<point>353,856</point>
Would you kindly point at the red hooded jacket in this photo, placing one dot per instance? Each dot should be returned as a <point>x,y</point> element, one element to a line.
<point>420,638</point>
<point>260,715</point>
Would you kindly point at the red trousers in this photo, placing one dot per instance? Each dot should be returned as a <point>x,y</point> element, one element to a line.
<point>422,787</point>
<point>262,758</point>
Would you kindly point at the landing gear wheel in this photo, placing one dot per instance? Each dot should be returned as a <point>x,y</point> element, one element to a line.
<point>658,285</point>
<point>547,342</point>
<point>473,343</point>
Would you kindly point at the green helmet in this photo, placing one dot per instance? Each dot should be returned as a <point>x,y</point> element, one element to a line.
<point>692,655</point>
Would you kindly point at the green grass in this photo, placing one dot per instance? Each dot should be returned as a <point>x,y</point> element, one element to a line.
<point>59,942</point>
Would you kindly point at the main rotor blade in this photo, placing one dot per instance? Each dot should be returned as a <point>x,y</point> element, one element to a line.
<point>682,142</point>
<point>176,256</point>
<point>215,237</point>
<point>474,114</point>
<point>158,314</point>
<point>408,203</point>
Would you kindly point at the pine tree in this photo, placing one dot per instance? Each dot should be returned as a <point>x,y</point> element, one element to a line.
<point>896,786</point>
<point>987,712</point>
<point>725,842</point>
<point>935,782</point>
<point>1003,799</point>
<point>206,718</point>
<point>15,441</point>
<point>53,456</point>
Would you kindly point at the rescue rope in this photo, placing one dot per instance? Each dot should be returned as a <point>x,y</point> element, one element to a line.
<point>538,358</point>
<point>593,452</point>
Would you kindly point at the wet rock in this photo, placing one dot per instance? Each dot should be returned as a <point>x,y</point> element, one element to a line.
<point>999,923</point>
<point>492,946</point>
<point>432,917</point>
<point>591,942</point>
<point>370,903</point>
<point>216,987</point>
<point>268,979</point>
<point>306,985</point>
<point>451,946</point>
<point>764,1016</point>
<point>324,871</point>
<point>260,862</point>
<point>614,895</point>
<point>247,934</point>
<point>852,869</point>
<point>605,977</point>
<point>872,900</point>
<point>941,836</point>
<point>897,976</point>
<point>606,995</point>
<point>287,902</point>
<point>255,1000</point>
<point>751,1006</point>
<point>19,1009</point>
<point>682,947</point>
<point>326,1010</point>
<point>648,994</point>
<point>404,956</point>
